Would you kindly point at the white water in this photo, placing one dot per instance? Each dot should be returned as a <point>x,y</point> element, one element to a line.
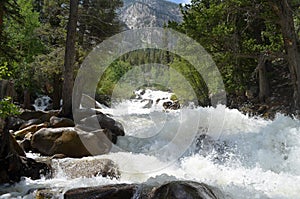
<point>244,157</point>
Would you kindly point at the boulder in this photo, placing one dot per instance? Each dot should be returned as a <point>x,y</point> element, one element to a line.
<point>44,116</point>
<point>26,145</point>
<point>89,102</point>
<point>14,164</point>
<point>29,123</point>
<point>124,191</point>
<point>171,190</point>
<point>15,123</point>
<point>47,193</point>
<point>186,189</point>
<point>15,146</point>
<point>149,103</point>
<point>104,122</point>
<point>173,105</point>
<point>83,113</point>
<point>57,122</point>
<point>86,167</point>
<point>30,129</point>
<point>72,142</point>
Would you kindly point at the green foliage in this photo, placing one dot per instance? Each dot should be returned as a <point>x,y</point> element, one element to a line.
<point>4,71</point>
<point>235,33</point>
<point>23,38</point>
<point>7,108</point>
<point>111,77</point>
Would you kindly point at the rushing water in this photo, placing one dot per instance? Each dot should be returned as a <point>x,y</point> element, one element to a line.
<point>245,157</point>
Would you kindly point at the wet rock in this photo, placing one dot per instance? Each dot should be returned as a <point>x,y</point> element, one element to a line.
<point>89,102</point>
<point>81,114</point>
<point>57,122</point>
<point>14,164</point>
<point>186,189</point>
<point>47,194</point>
<point>171,190</point>
<point>86,167</point>
<point>72,142</point>
<point>118,191</point>
<point>171,105</point>
<point>30,129</point>
<point>149,103</point>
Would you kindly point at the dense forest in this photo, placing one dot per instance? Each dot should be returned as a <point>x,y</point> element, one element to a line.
<point>255,45</point>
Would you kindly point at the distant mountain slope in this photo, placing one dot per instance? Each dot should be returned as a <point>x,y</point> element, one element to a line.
<point>149,13</point>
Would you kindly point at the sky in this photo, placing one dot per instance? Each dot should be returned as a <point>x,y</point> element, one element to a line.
<point>180,1</point>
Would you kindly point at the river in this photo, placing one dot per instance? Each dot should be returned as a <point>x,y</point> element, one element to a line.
<point>245,157</point>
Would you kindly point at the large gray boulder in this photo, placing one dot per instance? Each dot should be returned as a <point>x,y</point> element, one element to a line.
<point>186,189</point>
<point>102,121</point>
<point>85,167</point>
<point>171,190</point>
<point>70,141</point>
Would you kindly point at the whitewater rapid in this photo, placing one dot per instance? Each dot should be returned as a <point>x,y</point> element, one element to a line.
<point>245,157</point>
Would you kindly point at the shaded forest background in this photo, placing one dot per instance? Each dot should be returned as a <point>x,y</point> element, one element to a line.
<point>255,45</point>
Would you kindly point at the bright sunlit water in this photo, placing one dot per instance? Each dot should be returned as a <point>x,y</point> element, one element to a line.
<point>244,157</point>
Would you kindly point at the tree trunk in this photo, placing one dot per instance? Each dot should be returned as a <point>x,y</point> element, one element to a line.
<point>27,100</point>
<point>56,96</point>
<point>69,60</point>
<point>264,86</point>
<point>285,13</point>
<point>1,17</point>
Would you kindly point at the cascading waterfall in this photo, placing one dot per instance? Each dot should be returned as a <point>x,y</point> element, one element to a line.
<point>245,157</point>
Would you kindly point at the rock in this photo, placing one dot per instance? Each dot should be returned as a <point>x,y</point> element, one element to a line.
<point>58,156</point>
<point>112,137</point>
<point>85,113</point>
<point>30,129</point>
<point>47,194</point>
<point>262,109</point>
<point>72,142</point>
<point>117,191</point>
<point>13,166</point>
<point>149,104</point>
<point>186,189</point>
<point>171,190</point>
<point>15,146</point>
<point>29,123</point>
<point>105,122</point>
<point>171,105</point>
<point>57,122</point>
<point>89,102</point>
<point>15,123</point>
<point>103,99</point>
<point>26,145</point>
<point>44,116</point>
<point>252,92</point>
<point>85,167</point>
